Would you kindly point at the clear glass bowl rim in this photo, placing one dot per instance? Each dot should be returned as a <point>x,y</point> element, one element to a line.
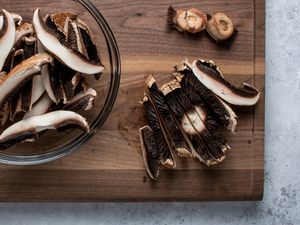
<point>115,63</point>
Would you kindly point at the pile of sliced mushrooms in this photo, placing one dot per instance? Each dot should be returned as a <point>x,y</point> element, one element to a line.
<point>43,65</point>
<point>188,115</point>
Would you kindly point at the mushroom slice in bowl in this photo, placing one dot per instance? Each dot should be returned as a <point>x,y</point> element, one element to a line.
<point>23,30</point>
<point>172,127</point>
<point>209,144</point>
<point>71,58</point>
<point>22,72</point>
<point>40,107</point>
<point>30,127</point>
<point>7,36</point>
<point>149,151</point>
<point>164,147</point>
<point>4,113</point>
<point>246,95</point>
<point>194,88</point>
<point>26,96</point>
<point>82,101</point>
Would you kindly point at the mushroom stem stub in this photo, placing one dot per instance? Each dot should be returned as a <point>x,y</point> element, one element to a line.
<point>71,58</point>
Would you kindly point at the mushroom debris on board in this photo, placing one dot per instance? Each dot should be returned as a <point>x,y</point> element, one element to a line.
<point>189,114</point>
<point>43,65</point>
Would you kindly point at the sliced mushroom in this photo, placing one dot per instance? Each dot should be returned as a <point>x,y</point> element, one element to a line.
<point>195,89</point>
<point>23,30</point>
<point>29,46</point>
<point>67,56</point>
<point>7,36</point>
<point>149,151</point>
<point>198,124</point>
<point>55,81</point>
<point>82,101</point>
<point>30,127</point>
<point>4,113</point>
<point>15,105</point>
<point>40,107</point>
<point>26,96</point>
<point>21,73</point>
<point>16,17</point>
<point>191,20</point>
<point>172,127</point>
<point>166,157</point>
<point>220,27</point>
<point>245,95</point>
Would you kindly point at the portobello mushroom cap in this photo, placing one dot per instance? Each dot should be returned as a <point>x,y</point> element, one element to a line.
<point>149,151</point>
<point>166,157</point>
<point>198,124</point>
<point>177,137</point>
<point>67,56</point>
<point>21,73</point>
<point>30,127</point>
<point>245,95</point>
<point>7,36</point>
<point>195,89</point>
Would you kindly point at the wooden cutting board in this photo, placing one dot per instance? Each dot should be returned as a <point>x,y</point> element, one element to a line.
<point>109,167</point>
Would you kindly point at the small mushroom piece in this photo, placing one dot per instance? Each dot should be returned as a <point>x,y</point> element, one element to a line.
<point>7,36</point>
<point>246,95</point>
<point>191,20</point>
<point>82,101</point>
<point>23,30</point>
<point>203,131</point>
<point>149,151</point>
<point>172,127</point>
<point>220,27</point>
<point>40,107</point>
<point>166,157</point>
<point>30,127</point>
<point>22,72</point>
<point>195,89</point>
<point>67,56</point>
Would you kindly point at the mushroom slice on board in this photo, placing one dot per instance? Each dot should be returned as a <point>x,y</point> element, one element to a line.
<point>7,36</point>
<point>40,107</point>
<point>149,151</point>
<point>177,137</point>
<point>191,85</point>
<point>245,95</point>
<point>191,20</point>
<point>220,27</point>
<point>67,56</point>
<point>166,157</point>
<point>30,127</point>
<point>82,101</point>
<point>22,72</point>
<point>198,124</point>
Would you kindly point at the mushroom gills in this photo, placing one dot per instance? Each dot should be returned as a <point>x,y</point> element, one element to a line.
<point>7,36</point>
<point>172,128</point>
<point>166,157</point>
<point>31,127</point>
<point>195,89</point>
<point>198,124</point>
<point>150,151</point>
<point>70,58</point>
<point>245,95</point>
<point>26,96</point>
<point>82,101</point>
<point>22,73</point>
<point>4,113</point>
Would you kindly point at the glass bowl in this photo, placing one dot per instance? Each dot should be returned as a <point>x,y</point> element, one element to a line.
<point>53,145</point>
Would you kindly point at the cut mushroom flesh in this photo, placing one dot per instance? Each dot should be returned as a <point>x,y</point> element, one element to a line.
<point>195,89</point>
<point>149,151</point>
<point>172,128</point>
<point>166,157</point>
<point>196,121</point>
<point>23,30</point>
<point>7,36</point>
<point>30,127</point>
<point>246,95</point>
<point>21,73</point>
<point>82,101</point>
<point>40,107</point>
<point>67,56</point>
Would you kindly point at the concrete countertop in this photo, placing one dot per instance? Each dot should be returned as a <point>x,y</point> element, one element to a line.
<point>282,154</point>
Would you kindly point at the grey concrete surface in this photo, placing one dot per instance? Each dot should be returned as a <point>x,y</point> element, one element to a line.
<point>281,203</point>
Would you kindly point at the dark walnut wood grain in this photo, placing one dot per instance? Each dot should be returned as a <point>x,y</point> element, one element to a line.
<point>109,167</point>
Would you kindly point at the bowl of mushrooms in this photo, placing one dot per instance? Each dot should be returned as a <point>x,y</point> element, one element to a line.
<point>59,78</point>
